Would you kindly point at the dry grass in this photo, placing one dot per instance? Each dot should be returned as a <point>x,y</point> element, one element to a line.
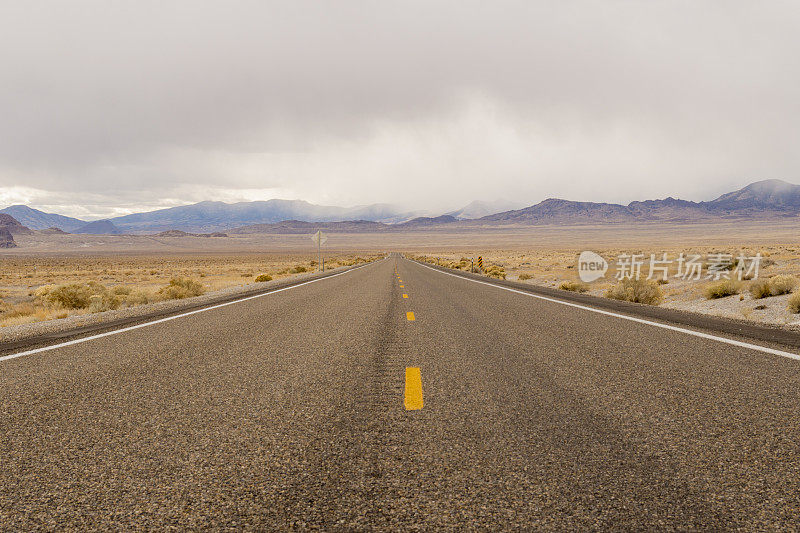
<point>782,284</point>
<point>794,302</point>
<point>180,288</point>
<point>574,286</point>
<point>39,288</point>
<point>641,291</point>
<point>774,286</point>
<point>722,288</point>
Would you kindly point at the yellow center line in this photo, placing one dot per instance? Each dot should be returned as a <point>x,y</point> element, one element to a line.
<point>405,296</point>
<point>402,286</point>
<point>410,316</point>
<point>413,399</point>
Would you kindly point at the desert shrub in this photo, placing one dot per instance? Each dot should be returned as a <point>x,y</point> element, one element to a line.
<point>574,286</point>
<point>722,288</point>
<point>263,277</point>
<point>495,271</point>
<point>782,284</point>
<point>636,290</point>
<point>179,288</point>
<point>69,296</point>
<point>297,269</point>
<point>104,301</point>
<point>13,311</point>
<point>92,296</point>
<point>774,286</point>
<point>523,277</point>
<point>137,297</point>
<point>759,288</point>
<point>794,302</point>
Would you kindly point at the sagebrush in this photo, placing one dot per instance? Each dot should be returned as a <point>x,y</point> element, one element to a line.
<point>641,291</point>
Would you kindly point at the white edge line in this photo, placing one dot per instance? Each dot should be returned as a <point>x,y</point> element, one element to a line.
<point>167,319</point>
<point>700,334</point>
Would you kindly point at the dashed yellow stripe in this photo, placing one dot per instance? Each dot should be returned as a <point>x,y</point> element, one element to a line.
<point>413,397</point>
<point>405,296</point>
<point>410,316</point>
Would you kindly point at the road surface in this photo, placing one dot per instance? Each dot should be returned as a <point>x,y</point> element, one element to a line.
<point>303,409</point>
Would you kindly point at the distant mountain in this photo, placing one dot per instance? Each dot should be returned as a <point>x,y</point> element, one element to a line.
<point>557,211</point>
<point>35,219</point>
<point>482,208</point>
<point>99,227</point>
<point>179,233</point>
<point>52,231</point>
<point>6,239</point>
<point>302,227</point>
<point>217,216</point>
<point>774,195</point>
<point>761,200</point>
<point>426,222</point>
<point>13,226</point>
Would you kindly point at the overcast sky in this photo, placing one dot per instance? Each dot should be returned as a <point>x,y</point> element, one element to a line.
<point>110,107</point>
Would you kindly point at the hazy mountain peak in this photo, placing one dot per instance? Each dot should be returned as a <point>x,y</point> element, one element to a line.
<point>482,208</point>
<point>35,219</point>
<point>772,193</point>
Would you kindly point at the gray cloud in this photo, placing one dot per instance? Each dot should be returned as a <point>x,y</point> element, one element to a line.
<point>112,106</point>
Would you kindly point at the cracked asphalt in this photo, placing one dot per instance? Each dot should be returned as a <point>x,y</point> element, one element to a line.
<point>287,412</point>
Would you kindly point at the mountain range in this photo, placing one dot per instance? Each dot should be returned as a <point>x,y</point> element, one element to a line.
<point>768,199</point>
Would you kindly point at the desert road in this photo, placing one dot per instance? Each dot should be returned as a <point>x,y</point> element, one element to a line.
<point>396,397</point>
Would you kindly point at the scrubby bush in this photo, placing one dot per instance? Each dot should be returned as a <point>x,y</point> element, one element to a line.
<point>69,296</point>
<point>524,277</point>
<point>774,286</point>
<point>782,284</point>
<point>105,301</point>
<point>137,297</point>
<point>574,286</point>
<point>495,271</point>
<point>179,288</point>
<point>794,302</point>
<point>297,269</point>
<point>121,290</point>
<point>722,288</point>
<point>92,296</point>
<point>263,277</point>
<point>759,288</point>
<point>636,290</point>
<point>14,311</point>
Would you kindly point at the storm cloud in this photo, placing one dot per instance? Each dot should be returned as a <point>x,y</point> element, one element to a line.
<point>110,107</point>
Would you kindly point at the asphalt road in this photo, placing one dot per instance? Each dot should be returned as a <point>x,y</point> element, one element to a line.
<point>287,411</point>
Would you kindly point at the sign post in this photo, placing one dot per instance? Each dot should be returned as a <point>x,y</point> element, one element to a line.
<point>480,264</point>
<point>319,239</point>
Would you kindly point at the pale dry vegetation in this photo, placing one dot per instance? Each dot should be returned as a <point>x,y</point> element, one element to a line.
<point>574,286</point>
<point>556,267</point>
<point>43,288</point>
<point>794,302</point>
<point>723,288</point>
<point>643,291</point>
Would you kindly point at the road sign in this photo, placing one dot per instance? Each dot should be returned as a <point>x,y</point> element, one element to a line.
<point>480,263</point>
<point>319,238</point>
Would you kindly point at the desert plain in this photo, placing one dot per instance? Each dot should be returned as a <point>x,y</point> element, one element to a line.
<point>144,266</point>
